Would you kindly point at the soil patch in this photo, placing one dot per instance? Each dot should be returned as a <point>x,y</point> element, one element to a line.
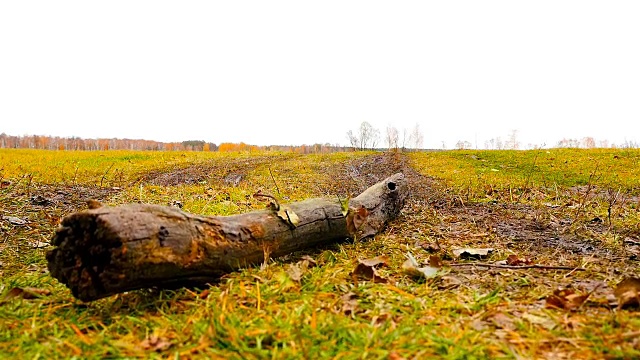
<point>222,171</point>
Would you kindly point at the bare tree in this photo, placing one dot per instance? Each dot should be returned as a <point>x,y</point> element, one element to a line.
<point>353,139</point>
<point>462,145</point>
<point>367,137</point>
<point>416,137</point>
<point>513,143</point>
<point>392,138</point>
<point>589,142</point>
<point>375,138</point>
<point>406,138</point>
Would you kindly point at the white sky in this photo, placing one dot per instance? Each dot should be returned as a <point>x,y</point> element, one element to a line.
<point>273,72</point>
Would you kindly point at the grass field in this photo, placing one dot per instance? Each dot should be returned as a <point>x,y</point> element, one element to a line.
<point>555,208</point>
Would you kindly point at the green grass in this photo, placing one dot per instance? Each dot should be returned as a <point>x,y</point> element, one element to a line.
<point>261,312</point>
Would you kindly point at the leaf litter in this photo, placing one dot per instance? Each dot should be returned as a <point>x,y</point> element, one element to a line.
<point>367,270</point>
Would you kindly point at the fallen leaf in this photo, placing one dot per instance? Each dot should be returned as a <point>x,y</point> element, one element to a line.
<point>38,244</point>
<point>395,356</point>
<point>25,293</point>
<point>155,343</point>
<point>428,247</point>
<point>514,260</point>
<point>14,220</point>
<point>349,303</point>
<point>366,270</point>
<point>378,260</point>
<point>94,204</point>
<point>359,216</point>
<point>435,261</point>
<point>628,292</point>
<point>502,321</point>
<point>471,253</point>
<point>40,200</point>
<point>204,294</point>
<point>412,268</point>
<point>288,216</point>
<point>449,282</point>
<point>295,272</point>
<point>566,299</point>
<point>308,261</point>
<point>545,322</point>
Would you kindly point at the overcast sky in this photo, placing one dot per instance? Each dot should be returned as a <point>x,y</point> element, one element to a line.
<point>274,72</point>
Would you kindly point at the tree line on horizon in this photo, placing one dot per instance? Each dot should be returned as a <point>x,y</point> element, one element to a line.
<point>365,137</point>
<point>77,143</point>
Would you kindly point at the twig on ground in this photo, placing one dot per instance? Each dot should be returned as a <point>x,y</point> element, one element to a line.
<point>105,174</point>
<point>522,267</point>
<point>274,181</point>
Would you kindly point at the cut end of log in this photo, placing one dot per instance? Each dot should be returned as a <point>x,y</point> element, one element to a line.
<point>377,205</point>
<point>83,250</point>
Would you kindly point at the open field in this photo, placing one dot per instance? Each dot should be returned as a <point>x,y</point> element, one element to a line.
<point>562,208</point>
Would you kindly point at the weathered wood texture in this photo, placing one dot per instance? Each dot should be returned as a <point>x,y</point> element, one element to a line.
<point>109,250</point>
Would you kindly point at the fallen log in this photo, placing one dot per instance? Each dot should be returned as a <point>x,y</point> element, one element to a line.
<point>109,250</point>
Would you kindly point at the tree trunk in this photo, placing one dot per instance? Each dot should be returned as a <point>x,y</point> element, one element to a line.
<point>109,250</point>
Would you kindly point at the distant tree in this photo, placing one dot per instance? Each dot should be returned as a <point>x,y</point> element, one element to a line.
<point>513,143</point>
<point>462,145</point>
<point>367,137</point>
<point>392,138</point>
<point>353,139</point>
<point>588,142</point>
<point>568,143</point>
<point>416,137</point>
<point>406,138</point>
<point>197,145</point>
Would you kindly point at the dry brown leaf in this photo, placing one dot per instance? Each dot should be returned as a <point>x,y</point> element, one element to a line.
<point>295,272</point>
<point>435,261</point>
<point>514,260</point>
<point>471,253</point>
<point>204,294</point>
<point>412,268</point>
<point>25,293</point>
<point>308,261</point>
<point>502,321</point>
<point>349,303</point>
<point>155,343</point>
<point>14,220</point>
<point>628,292</point>
<point>449,282</point>
<point>366,270</point>
<point>566,299</point>
<point>359,216</point>
<point>395,356</point>
<point>378,260</point>
<point>94,204</point>
<point>545,322</point>
<point>356,218</point>
<point>288,216</point>
<point>38,244</point>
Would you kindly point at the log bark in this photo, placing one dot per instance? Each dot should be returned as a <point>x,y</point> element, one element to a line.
<point>109,250</point>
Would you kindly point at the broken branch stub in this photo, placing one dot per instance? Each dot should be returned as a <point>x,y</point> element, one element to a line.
<point>109,250</point>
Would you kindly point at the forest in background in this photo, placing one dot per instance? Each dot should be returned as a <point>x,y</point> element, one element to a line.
<point>77,143</point>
